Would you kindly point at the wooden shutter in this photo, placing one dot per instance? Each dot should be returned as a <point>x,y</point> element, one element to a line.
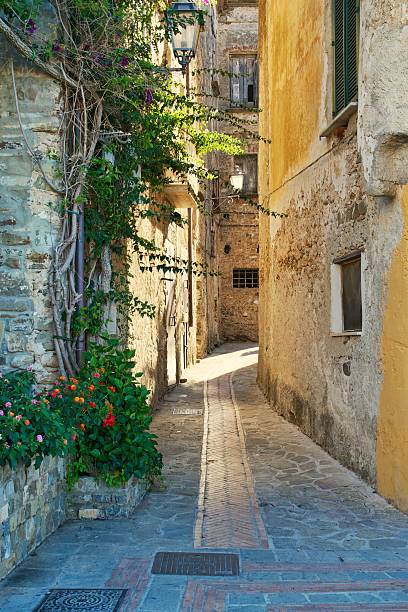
<point>339,57</point>
<point>351,46</point>
<point>234,80</point>
<point>256,82</point>
<point>346,39</point>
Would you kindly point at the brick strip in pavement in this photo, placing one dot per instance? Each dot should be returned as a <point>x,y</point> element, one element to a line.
<point>208,596</point>
<point>228,513</point>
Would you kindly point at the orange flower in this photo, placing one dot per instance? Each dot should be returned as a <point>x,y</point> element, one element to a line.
<point>56,390</point>
<point>26,422</point>
<point>73,387</point>
<point>18,443</point>
<point>106,402</point>
<point>102,369</point>
<point>76,399</point>
<point>62,378</point>
<point>65,442</point>
<point>91,388</point>
<point>81,399</point>
<point>11,413</point>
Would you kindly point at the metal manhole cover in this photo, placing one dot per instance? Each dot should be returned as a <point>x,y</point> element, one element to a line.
<point>196,564</point>
<point>187,411</point>
<point>81,600</point>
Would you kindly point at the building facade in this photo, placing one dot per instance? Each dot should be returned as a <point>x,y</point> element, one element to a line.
<point>333,348</point>
<point>237,219</point>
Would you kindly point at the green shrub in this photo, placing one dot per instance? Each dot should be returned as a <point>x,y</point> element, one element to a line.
<point>110,413</point>
<point>29,427</point>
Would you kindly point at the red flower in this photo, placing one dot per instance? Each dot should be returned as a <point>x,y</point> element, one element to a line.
<point>109,421</point>
<point>92,404</point>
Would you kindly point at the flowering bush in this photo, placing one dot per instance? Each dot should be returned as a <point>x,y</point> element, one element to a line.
<point>110,413</point>
<point>29,427</point>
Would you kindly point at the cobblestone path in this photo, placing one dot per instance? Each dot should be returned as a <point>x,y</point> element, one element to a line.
<point>238,479</point>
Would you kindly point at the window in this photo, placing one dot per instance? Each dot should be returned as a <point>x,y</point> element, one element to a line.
<point>245,279</point>
<point>244,82</point>
<point>248,164</point>
<point>346,26</point>
<point>347,309</point>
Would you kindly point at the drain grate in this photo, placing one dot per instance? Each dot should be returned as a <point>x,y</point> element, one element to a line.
<point>196,564</point>
<point>188,411</point>
<point>82,600</point>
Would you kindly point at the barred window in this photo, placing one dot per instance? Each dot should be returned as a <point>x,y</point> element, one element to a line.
<point>245,279</point>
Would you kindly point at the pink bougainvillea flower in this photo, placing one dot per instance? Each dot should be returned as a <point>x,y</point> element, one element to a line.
<point>33,401</point>
<point>39,438</point>
<point>18,443</point>
<point>7,445</point>
<point>1,413</point>
<point>124,61</point>
<point>8,404</point>
<point>96,375</point>
<point>18,417</point>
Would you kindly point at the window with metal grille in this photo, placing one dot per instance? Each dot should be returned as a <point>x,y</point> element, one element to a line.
<point>244,80</point>
<point>248,164</point>
<point>346,26</point>
<point>245,279</point>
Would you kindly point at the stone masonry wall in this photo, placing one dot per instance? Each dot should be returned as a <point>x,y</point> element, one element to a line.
<point>237,221</point>
<point>29,222</point>
<point>32,505</point>
<point>238,249</point>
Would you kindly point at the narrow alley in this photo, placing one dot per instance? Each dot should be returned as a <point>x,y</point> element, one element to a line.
<point>238,479</point>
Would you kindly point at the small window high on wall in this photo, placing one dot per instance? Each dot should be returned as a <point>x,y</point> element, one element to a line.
<point>245,279</point>
<point>243,80</point>
<point>347,294</point>
<point>346,27</point>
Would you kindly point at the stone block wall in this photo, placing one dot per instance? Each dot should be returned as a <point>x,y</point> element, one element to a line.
<point>32,505</point>
<point>238,249</point>
<point>29,221</point>
<point>89,499</point>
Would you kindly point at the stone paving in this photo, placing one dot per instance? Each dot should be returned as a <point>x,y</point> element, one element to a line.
<point>316,537</point>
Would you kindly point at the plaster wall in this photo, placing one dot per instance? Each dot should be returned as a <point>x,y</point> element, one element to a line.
<point>329,385</point>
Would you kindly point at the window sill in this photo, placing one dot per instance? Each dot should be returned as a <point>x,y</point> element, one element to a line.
<point>345,333</point>
<point>247,109</point>
<point>340,120</point>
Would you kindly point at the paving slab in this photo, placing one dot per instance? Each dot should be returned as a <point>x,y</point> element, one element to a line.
<point>310,535</point>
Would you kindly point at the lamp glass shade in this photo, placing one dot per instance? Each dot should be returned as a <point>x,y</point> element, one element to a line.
<point>237,179</point>
<point>185,40</point>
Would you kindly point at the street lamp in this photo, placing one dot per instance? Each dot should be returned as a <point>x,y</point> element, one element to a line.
<point>237,179</point>
<point>184,31</point>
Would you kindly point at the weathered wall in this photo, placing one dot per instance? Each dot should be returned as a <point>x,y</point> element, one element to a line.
<point>28,219</point>
<point>238,248</point>
<point>32,505</point>
<point>392,434</point>
<point>328,384</point>
<point>238,222</point>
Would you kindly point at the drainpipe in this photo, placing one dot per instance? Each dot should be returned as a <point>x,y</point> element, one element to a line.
<point>79,264</point>
<point>190,236</point>
<point>190,271</point>
<point>80,278</point>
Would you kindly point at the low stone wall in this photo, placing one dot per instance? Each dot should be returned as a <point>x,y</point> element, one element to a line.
<point>97,500</point>
<point>32,505</point>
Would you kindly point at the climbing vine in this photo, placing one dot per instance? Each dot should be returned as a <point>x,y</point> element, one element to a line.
<point>128,127</point>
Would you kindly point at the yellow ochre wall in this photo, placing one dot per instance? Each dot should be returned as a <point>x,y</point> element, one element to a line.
<point>291,66</point>
<point>392,434</point>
